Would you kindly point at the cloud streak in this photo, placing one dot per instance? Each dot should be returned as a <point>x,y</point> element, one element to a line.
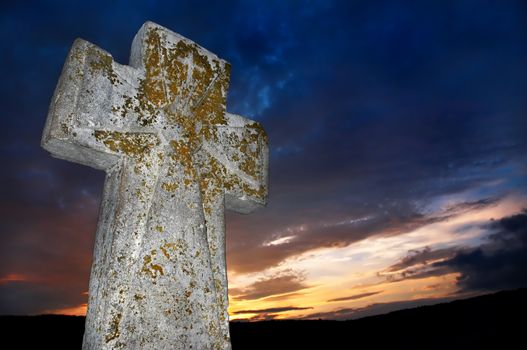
<point>355,297</point>
<point>284,282</point>
<point>271,310</point>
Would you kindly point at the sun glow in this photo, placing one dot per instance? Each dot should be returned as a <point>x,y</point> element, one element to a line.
<point>327,281</point>
<point>356,276</point>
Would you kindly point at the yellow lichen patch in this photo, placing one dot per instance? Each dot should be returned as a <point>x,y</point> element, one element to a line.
<point>204,182</point>
<point>125,108</point>
<point>221,178</point>
<point>102,62</point>
<point>160,228</point>
<point>136,145</point>
<point>217,284</point>
<point>249,147</point>
<point>153,270</point>
<point>182,71</point>
<point>172,247</point>
<point>248,166</point>
<point>157,268</point>
<point>67,125</point>
<point>212,182</point>
<point>260,131</point>
<point>182,153</point>
<point>65,128</point>
<point>176,72</point>
<point>147,259</point>
<point>153,84</point>
<point>215,177</point>
<point>165,252</point>
<point>114,328</point>
<point>169,186</point>
<point>255,192</point>
<point>77,54</point>
<point>142,193</point>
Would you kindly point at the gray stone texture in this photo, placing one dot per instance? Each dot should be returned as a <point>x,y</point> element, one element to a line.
<point>174,161</point>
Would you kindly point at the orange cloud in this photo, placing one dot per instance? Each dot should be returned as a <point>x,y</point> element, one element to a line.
<point>13,277</point>
<point>79,310</point>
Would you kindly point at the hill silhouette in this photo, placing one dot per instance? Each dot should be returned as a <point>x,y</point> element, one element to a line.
<point>494,320</point>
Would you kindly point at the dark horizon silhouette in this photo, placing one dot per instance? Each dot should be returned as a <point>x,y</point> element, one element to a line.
<point>489,320</point>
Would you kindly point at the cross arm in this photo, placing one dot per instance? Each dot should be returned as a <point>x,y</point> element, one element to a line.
<point>83,124</point>
<point>241,152</point>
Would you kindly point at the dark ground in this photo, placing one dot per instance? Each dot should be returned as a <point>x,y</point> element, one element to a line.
<point>492,321</point>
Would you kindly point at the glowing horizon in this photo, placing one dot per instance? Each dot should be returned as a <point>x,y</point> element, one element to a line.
<point>355,276</point>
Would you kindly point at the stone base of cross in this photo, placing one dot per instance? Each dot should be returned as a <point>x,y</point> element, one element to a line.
<point>175,160</point>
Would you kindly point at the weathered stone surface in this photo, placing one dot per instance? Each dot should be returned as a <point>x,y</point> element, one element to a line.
<point>174,159</point>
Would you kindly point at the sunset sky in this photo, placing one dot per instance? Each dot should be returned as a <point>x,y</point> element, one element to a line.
<point>398,150</point>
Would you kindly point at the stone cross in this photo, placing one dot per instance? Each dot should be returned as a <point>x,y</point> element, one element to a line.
<point>174,161</point>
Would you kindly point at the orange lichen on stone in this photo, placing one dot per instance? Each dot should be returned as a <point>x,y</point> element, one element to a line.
<point>165,252</point>
<point>114,328</point>
<point>132,144</point>
<point>153,270</point>
<point>103,62</point>
<point>157,268</point>
<point>170,186</point>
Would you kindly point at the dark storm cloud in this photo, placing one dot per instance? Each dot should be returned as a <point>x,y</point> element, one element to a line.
<point>421,257</point>
<point>420,264</point>
<point>371,110</point>
<point>497,264</point>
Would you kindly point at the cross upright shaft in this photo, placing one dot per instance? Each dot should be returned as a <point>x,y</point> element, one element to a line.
<point>174,159</point>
